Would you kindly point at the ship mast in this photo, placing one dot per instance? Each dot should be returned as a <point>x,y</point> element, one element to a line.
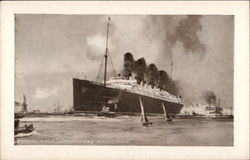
<point>171,82</point>
<point>106,54</point>
<point>171,69</point>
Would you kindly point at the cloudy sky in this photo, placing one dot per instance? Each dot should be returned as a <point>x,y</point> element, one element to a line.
<point>52,49</point>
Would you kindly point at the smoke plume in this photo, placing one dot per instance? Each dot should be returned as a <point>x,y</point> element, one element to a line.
<point>128,66</point>
<point>186,32</point>
<point>148,74</point>
<point>140,70</point>
<point>210,97</point>
<point>152,76</point>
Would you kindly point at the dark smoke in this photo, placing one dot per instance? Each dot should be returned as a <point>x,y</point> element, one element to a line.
<point>140,70</point>
<point>162,80</point>
<point>128,66</point>
<point>174,87</point>
<point>186,32</point>
<point>148,74</point>
<point>210,97</point>
<point>152,75</point>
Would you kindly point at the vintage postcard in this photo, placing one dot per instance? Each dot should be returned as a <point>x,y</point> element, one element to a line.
<point>124,79</point>
<point>100,80</point>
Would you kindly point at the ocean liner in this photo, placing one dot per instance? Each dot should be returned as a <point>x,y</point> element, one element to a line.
<point>122,94</point>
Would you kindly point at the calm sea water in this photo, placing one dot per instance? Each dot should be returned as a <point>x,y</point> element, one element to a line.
<point>127,130</point>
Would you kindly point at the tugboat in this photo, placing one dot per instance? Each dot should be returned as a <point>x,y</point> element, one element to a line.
<point>109,108</point>
<point>25,129</point>
<point>105,112</point>
<point>145,122</point>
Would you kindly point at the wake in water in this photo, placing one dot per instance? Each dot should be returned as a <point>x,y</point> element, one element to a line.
<point>123,117</point>
<point>20,135</point>
<point>70,118</point>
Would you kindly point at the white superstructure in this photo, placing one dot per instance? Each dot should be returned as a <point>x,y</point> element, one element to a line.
<point>146,90</point>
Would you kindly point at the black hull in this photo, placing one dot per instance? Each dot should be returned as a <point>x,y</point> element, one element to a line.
<point>89,96</point>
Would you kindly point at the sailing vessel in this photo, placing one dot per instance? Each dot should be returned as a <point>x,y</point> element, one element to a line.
<point>144,120</point>
<point>166,116</point>
<point>121,94</point>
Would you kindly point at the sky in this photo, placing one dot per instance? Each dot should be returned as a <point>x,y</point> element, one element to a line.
<point>52,49</point>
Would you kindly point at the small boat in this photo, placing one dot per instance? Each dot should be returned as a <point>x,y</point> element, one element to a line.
<point>20,111</point>
<point>25,129</point>
<point>144,120</point>
<point>166,116</point>
<point>105,112</point>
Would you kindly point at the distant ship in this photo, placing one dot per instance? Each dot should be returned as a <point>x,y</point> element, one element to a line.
<point>122,94</point>
<point>215,111</point>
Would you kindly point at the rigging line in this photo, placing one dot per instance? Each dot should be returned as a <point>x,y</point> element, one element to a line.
<point>109,63</point>
<point>112,64</point>
<point>106,54</point>
<point>99,71</point>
